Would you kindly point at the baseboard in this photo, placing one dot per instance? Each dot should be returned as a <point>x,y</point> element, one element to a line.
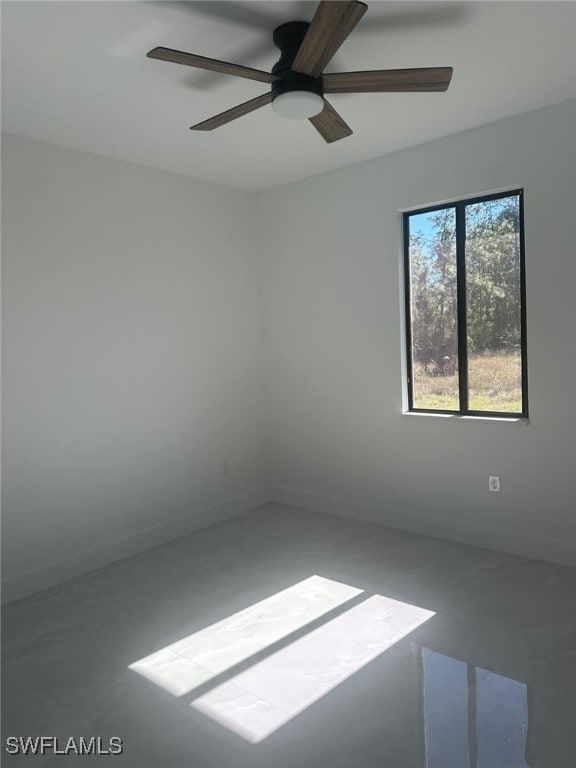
<point>462,532</point>
<point>47,576</point>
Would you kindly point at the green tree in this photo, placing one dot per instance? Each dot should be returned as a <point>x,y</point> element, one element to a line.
<point>493,276</point>
<point>434,303</point>
<point>492,257</point>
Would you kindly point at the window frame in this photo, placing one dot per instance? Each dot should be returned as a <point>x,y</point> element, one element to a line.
<point>461,318</point>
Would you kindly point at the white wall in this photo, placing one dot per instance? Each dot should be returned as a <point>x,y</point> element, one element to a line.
<point>339,440</point>
<point>132,330</point>
<point>131,359</point>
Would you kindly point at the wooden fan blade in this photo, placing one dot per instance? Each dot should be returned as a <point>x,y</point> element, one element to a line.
<point>232,114</point>
<point>331,25</point>
<point>330,125</point>
<point>215,65</point>
<point>389,80</point>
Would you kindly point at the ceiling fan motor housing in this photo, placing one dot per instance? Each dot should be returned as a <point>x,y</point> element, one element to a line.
<point>288,38</point>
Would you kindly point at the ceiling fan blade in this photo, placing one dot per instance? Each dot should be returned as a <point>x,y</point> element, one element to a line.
<point>389,80</point>
<point>214,65</point>
<point>330,125</point>
<point>331,25</point>
<point>232,114</point>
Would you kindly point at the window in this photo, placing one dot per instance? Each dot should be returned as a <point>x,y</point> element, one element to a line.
<point>465,307</point>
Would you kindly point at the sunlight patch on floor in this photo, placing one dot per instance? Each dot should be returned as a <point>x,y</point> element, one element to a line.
<point>261,699</point>
<point>196,659</point>
<point>264,665</point>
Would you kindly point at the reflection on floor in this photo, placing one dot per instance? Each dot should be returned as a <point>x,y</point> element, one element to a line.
<point>288,639</point>
<point>473,718</point>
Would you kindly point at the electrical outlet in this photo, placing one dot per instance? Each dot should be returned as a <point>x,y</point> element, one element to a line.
<point>494,483</point>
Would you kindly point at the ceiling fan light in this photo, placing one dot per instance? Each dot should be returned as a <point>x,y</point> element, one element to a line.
<point>297,105</point>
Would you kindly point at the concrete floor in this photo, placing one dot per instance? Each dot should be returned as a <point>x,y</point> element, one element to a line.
<point>289,638</point>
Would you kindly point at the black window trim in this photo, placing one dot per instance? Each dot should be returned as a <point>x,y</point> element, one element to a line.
<point>459,206</point>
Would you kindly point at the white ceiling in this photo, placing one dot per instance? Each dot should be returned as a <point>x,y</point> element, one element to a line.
<point>76,73</point>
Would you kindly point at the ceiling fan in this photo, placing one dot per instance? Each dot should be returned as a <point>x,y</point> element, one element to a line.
<point>298,85</point>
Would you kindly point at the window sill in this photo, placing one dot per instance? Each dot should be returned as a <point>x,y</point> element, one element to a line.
<point>457,416</point>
